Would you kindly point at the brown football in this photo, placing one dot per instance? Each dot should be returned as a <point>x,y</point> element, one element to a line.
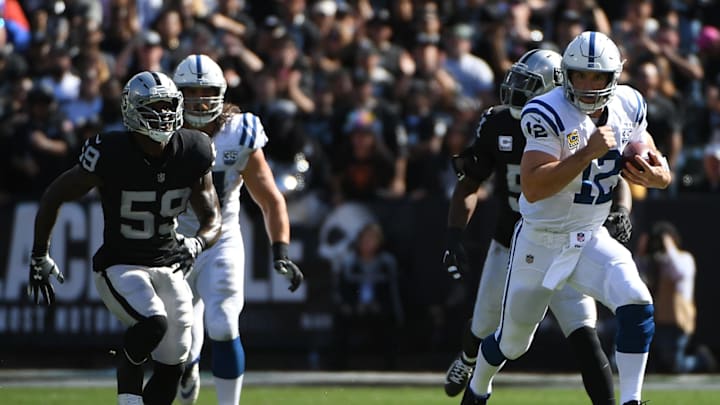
<point>633,149</point>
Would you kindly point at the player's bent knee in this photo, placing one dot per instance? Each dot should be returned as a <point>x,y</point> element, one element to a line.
<point>221,329</point>
<point>143,337</point>
<point>636,327</point>
<point>490,348</point>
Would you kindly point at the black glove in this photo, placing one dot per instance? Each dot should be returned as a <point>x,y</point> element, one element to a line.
<point>41,268</point>
<point>618,224</point>
<point>285,266</point>
<point>188,250</point>
<point>454,257</point>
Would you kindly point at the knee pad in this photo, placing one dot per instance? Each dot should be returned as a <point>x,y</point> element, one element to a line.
<point>491,351</point>
<point>161,388</point>
<point>143,337</point>
<point>222,325</point>
<point>636,327</point>
<point>228,359</point>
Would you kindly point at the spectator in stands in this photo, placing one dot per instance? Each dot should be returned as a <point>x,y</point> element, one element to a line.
<point>365,170</point>
<point>474,77</point>
<point>670,273</point>
<point>367,295</point>
<point>43,143</point>
<point>145,52</point>
<point>664,122</point>
<point>291,73</point>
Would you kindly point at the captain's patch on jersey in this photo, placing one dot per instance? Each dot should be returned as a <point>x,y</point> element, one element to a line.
<point>573,139</point>
<point>505,143</point>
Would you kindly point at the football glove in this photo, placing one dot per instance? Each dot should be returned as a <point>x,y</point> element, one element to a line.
<point>41,268</point>
<point>454,258</point>
<point>618,224</point>
<point>285,266</point>
<point>188,250</point>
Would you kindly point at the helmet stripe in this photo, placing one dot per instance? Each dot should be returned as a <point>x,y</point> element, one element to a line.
<point>527,56</point>
<point>591,55</point>
<point>156,77</point>
<point>198,66</point>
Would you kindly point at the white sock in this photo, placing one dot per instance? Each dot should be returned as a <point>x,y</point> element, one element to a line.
<point>631,373</point>
<point>129,399</point>
<point>481,381</point>
<point>228,391</point>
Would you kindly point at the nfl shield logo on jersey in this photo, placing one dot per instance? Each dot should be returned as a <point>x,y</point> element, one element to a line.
<point>161,177</point>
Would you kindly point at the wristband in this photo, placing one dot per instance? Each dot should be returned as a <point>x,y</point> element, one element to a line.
<point>279,250</point>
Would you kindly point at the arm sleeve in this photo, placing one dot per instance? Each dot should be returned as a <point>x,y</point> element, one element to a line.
<point>91,157</point>
<point>637,109</point>
<point>541,132</point>
<point>478,160</point>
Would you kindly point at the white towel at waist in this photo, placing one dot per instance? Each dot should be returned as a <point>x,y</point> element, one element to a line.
<point>564,264</point>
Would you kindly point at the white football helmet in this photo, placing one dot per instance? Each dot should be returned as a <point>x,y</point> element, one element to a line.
<point>535,73</point>
<point>595,52</point>
<point>141,111</point>
<point>201,71</point>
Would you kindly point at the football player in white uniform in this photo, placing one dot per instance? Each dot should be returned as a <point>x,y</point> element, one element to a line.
<point>575,136</point>
<point>217,279</point>
<point>498,149</point>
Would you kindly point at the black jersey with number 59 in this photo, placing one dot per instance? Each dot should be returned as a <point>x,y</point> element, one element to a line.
<point>498,148</point>
<point>142,196</point>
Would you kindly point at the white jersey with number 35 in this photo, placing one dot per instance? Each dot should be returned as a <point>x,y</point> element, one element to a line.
<point>238,138</point>
<point>553,125</point>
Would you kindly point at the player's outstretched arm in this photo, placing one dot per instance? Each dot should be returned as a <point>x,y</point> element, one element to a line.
<point>206,205</point>
<point>260,183</point>
<point>462,205</point>
<point>618,221</point>
<point>69,186</point>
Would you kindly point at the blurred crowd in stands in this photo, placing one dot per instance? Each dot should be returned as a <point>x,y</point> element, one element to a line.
<point>363,99</point>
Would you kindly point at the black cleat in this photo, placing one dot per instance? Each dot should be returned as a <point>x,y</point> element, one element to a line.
<point>457,376</point>
<point>469,398</point>
<point>635,402</point>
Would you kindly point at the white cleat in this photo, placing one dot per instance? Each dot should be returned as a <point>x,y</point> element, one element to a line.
<point>189,388</point>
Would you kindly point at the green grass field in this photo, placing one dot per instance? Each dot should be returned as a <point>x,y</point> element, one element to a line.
<point>352,396</point>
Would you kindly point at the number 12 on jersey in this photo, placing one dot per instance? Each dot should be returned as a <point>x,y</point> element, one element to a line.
<point>603,180</point>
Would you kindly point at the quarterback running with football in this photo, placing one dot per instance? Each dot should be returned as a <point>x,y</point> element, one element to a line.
<point>145,178</point>
<point>498,148</point>
<point>218,278</point>
<point>571,164</point>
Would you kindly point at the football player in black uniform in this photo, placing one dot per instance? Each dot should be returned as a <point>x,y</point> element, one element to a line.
<point>497,149</point>
<point>145,178</point>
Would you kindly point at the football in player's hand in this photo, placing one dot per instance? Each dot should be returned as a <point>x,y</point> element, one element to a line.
<point>633,149</point>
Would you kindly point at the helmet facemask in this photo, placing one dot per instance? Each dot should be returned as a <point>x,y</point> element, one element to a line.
<point>201,110</point>
<point>580,98</point>
<point>153,106</point>
<point>519,86</point>
<point>535,73</point>
<point>200,73</point>
<point>591,52</point>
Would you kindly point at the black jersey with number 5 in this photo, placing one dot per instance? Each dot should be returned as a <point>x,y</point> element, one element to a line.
<point>498,148</point>
<point>142,196</point>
